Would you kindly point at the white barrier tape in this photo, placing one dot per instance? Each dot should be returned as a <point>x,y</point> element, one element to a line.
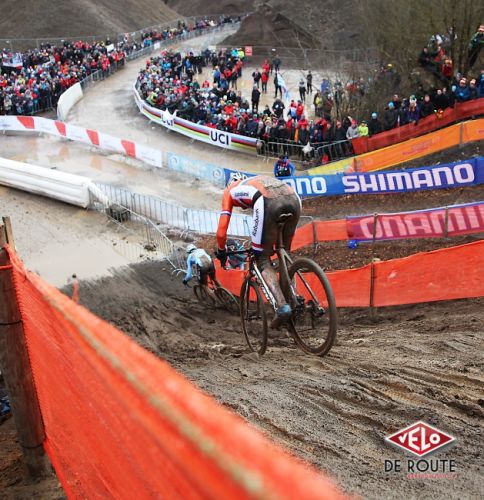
<point>151,156</point>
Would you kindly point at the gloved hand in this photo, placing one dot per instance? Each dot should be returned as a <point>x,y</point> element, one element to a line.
<point>185,282</point>
<point>221,256</point>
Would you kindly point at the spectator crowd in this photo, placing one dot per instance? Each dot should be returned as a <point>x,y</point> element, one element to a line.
<point>33,81</point>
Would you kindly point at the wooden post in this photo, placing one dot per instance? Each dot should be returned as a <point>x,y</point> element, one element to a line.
<point>315,238</point>
<point>372,289</point>
<point>17,372</point>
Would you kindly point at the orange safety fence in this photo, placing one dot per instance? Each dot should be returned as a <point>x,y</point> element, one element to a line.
<point>121,423</point>
<point>419,147</point>
<point>445,274</point>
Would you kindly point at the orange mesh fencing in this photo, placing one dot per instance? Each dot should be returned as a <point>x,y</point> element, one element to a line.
<point>121,423</point>
<point>446,274</point>
<point>319,231</point>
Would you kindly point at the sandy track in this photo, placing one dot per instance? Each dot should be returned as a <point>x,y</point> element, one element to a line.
<point>415,363</point>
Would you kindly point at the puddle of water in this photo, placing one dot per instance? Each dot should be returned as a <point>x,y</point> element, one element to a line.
<point>88,258</point>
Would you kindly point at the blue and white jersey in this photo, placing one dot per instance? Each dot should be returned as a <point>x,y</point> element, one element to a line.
<point>198,257</point>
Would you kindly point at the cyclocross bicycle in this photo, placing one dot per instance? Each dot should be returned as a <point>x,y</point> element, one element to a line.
<point>313,324</point>
<point>213,293</point>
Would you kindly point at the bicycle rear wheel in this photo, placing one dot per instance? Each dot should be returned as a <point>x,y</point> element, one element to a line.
<point>227,300</point>
<point>314,322</point>
<point>253,316</point>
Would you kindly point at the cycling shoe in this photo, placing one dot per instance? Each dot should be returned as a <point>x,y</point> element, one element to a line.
<point>282,315</point>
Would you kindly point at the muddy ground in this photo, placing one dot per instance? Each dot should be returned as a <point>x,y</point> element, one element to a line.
<point>421,362</point>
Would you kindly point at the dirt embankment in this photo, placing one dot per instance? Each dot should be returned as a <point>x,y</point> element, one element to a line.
<point>415,363</point>
<point>74,19</point>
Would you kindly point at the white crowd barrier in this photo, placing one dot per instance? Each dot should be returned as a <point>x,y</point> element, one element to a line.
<point>151,156</point>
<point>69,188</point>
<point>70,97</point>
<point>195,131</point>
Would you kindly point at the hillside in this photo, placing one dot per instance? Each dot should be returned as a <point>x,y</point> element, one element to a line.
<point>329,24</point>
<point>73,19</point>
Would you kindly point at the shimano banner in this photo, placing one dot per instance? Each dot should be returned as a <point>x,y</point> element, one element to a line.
<point>465,173</point>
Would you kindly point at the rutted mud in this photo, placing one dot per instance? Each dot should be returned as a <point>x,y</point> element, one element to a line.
<point>420,362</point>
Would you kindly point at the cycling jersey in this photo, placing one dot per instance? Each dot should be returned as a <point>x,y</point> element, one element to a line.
<point>200,258</point>
<point>251,193</point>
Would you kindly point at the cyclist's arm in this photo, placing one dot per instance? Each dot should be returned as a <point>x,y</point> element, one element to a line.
<point>224,221</point>
<point>292,168</point>
<point>189,274</point>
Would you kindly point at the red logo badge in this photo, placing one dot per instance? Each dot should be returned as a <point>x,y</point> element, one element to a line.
<point>420,439</point>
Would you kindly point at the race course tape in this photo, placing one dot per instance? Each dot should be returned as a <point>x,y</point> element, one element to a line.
<point>151,156</point>
<point>122,423</point>
<point>445,274</point>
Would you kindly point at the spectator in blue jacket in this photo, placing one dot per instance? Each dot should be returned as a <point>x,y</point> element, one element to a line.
<point>283,167</point>
<point>462,92</point>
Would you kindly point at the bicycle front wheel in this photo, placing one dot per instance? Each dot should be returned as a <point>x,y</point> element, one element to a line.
<point>253,316</point>
<point>203,295</point>
<point>314,322</point>
<point>227,300</point>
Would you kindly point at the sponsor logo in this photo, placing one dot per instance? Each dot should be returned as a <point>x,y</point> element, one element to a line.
<point>418,148</point>
<point>235,176</point>
<point>435,223</point>
<point>241,194</point>
<point>421,439</point>
<point>307,186</point>
<point>425,178</point>
<point>167,119</point>
<point>220,138</point>
<point>256,222</point>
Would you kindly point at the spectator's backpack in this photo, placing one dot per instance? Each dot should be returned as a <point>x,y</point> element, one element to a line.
<point>282,169</point>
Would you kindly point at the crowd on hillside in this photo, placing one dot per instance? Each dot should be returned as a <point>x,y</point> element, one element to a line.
<point>33,81</point>
<point>169,82</point>
<point>45,73</point>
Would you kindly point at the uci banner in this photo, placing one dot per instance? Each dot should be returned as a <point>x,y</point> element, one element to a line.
<point>465,173</point>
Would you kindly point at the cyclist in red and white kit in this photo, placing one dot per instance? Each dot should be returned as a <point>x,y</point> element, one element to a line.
<point>269,198</point>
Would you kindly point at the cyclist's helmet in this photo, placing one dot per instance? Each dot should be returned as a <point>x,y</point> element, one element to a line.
<point>190,248</point>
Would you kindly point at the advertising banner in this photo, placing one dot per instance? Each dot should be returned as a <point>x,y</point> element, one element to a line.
<point>196,131</point>
<point>465,173</point>
<point>436,223</point>
<point>195,168</point>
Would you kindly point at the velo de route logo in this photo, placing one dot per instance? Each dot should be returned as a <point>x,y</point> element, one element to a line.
<point>421,440</point>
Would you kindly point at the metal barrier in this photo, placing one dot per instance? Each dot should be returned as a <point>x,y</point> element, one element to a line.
<point>185,219</point>
<point>331,151</point>
<point>154,241</point>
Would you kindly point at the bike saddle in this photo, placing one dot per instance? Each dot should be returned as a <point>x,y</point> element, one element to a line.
<point>283,218</point>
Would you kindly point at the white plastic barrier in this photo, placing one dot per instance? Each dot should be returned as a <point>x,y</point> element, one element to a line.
<point>70,97</point>
<point>107,142</point>
<point>195,131</point>
<point>69,188</point>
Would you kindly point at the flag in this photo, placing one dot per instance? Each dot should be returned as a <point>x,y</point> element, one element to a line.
<point>282,84</point>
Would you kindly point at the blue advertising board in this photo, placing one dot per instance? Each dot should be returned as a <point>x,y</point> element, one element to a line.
<point>458,174</point>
